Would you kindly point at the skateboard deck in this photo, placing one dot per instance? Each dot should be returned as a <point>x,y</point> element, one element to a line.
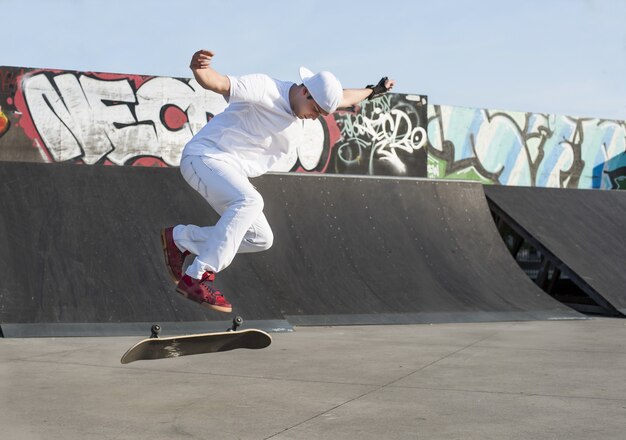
<point>176,346</point>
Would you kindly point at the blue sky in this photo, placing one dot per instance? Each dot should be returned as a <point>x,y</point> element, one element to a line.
<point>556,56</point>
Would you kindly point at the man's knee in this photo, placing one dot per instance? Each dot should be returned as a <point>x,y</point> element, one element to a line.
<point>252,203</point>
<point>258,240</point>
<point>268,241</point>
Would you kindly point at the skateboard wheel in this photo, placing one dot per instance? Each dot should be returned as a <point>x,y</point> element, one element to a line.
<point>156,329</point>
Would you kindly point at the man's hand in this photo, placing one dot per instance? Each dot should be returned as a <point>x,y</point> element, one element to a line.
<point>354,96</point>
<point>389,84</point>
<point>206,76</point>
<point>384,85</point>
<point>201,59</point>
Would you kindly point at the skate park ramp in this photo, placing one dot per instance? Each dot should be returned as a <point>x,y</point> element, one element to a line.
<point>580,231</point>
<point>366,250</point>
<point>82,254</point>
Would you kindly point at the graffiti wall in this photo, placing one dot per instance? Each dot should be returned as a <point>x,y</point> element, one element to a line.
<point>112,119</point>
<point>526,149</point>
<point>96,118</point>
<point>115,119</point>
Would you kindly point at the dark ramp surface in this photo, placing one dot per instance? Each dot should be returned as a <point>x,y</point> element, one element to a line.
<point>382,250</point>
<point>81,253</point>
<point>583,230</point>
<point>81,246</point>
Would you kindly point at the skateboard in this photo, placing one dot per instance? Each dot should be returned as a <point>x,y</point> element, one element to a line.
<point>176,346</point>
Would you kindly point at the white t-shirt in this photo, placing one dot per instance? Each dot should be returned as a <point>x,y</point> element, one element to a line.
<point>256,129</point>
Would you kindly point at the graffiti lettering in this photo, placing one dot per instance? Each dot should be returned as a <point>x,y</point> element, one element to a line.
<point>115,119</point>
<point>528,149</point>
<point>82,117</point>
<point>382,132</point>
<point>135,120</point>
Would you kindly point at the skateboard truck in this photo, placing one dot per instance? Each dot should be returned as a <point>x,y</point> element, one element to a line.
<point>237,321</point>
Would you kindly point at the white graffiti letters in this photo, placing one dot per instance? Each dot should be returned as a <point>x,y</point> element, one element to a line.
<point>82,117</point>
<point>397,133</point>
<point>384,131</point>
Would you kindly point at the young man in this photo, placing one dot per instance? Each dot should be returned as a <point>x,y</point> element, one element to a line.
<point>259,126</point>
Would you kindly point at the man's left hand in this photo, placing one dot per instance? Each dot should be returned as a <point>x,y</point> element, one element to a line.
<point>384,85</point>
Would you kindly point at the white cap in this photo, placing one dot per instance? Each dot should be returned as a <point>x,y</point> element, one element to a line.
<point>324,87</point>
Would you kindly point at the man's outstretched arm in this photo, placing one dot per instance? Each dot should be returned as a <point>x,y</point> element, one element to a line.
<point>206,76</point>
<point>354,96</point>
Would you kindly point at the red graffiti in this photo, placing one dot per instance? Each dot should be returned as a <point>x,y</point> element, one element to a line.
<point>173,117</point>
<point>136,80</point>
<point>149,161</point>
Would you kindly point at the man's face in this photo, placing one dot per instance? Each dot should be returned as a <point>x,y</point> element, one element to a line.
<point>306,107</point>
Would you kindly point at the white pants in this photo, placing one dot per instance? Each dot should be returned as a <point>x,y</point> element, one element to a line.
<point>242,226</point>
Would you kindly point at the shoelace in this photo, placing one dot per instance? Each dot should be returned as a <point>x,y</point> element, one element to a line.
<point>207,280</point>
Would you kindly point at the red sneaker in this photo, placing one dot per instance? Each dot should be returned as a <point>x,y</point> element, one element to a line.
<point>174,258</point>
<point>203,292</point>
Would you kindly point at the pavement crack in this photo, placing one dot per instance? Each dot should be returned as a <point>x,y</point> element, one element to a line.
<point>321,414</point>
<point>438,360</point>
<point>378,388</point>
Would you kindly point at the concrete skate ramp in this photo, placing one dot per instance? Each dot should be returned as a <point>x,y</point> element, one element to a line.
<point>81,253</point>
<point>582,231</point>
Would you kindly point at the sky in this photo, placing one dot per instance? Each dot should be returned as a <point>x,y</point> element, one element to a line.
<point>550,56</point>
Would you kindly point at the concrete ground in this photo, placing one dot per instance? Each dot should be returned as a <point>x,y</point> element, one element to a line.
<point>526,380</point>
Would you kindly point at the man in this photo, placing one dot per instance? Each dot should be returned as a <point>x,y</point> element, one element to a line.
<point>259,126</point>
